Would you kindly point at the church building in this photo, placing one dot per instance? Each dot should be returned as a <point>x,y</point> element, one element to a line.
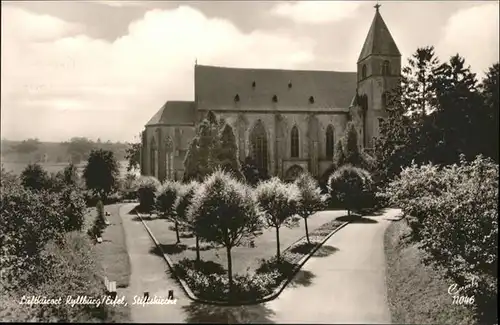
<point>288,121</point>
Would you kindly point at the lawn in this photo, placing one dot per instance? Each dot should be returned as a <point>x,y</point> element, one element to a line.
<point>112,252</point>
<point>244,259</point>
<point>417,294</point>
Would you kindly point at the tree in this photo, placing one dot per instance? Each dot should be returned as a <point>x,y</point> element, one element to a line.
<point>133,156</point>
<point>99,222</point>
<point>205,153</point>
<point>29,220</point>
<point>7,178</point>
<point>350,148</point>
<point>79,148</point>
<point>251,171</point>
<point>350,184</point>
<point>490,130</point>
<point>70,174</point>
<point>35,177</point>
<point>225,213</point>
<point>279,201</point>
<point>190,161</point>
<point>182,203</point>
<point>165,200</point>
<point>147,188</point>
<point>402,137</point>
<point>27,146</point>
<point>101,172</point>
<point>226,156</point>
<point>456,123</point>
<point>310,200</point>
<point>339,157</point>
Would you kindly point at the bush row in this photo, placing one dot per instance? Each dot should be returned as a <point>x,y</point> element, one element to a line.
<point>453,214</point>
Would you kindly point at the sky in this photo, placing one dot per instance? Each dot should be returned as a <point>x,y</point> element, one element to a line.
<point>102,69</point>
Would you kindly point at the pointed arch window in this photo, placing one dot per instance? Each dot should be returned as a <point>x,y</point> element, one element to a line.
<point>330,142</point>
<point>258,140</point>
<point>363,71</point>
<point>294,142</point>
<point>385,100</point>
<point>153,158</point>
<point>386,68</point>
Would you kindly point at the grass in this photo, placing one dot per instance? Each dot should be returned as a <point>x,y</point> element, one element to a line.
<point>417,294</point>
<point>244,259</point>
<point>112,252</point>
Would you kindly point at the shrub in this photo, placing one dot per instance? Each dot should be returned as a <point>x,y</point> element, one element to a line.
<point>279,201</point>
<point>225,213</point>
<point>350,186</point>
<point>99,223</point>
<point>453,214</point>
<point>69,269</point>
<point>147,187</point>
<point>29,220</point>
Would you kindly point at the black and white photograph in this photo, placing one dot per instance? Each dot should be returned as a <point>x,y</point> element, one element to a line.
<point>249,162</point>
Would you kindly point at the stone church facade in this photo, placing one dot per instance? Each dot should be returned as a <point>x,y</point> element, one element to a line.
<point>288,121</point>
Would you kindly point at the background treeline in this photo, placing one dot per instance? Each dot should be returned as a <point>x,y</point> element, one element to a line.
<point>75,150</point>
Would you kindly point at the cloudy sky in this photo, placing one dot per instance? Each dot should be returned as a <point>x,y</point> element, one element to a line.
<point>103,68</point>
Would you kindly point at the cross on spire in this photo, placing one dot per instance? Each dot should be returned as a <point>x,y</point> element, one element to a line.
<point>377,6</point>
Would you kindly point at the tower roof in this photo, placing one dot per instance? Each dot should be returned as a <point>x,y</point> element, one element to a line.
<point>379,40</point>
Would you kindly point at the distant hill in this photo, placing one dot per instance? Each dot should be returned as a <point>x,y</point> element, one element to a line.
<point>30,151</point>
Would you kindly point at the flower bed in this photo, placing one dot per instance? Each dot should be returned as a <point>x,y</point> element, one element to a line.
<point>209,281</point>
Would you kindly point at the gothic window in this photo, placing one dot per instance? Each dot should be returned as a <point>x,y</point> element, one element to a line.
<point>385,100</point>
<point>330,141</point>
<point>258,141</point>
<point>386,68</point>
<point>363,71</point>
<point>294,142</point>
<point>152,156</point>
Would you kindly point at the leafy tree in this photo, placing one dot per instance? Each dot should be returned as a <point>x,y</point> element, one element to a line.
<point>453,212</point>
<point>133,156</point>
<point>457,119</point>
<point>165,200</point>
<point>182,203</point>
<point>29,220</point>
<point>99,222</point>
<point>79,148</point>
<point>35,177</point>
<point>101,172</point>
<point>73,206</point>
<point>339,157</point>
<point>206,153</point>
<point>7,178</point>
<point>311,200</point>
<point>190,161</point>
<point>490,128</point>
<point>350,184</point>
<point>350,148</point>
<point>279,201</point>
<point>225,213</point>
<point>147,188</point>
<point>226,155</point>
<point>251,172</point>
<point>70,174</point>
<point>402,137</point>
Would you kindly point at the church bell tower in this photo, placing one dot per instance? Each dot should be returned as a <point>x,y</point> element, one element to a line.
<point>379,70</point>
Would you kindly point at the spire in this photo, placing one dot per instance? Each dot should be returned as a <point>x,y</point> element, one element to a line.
<point>379,40</point>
